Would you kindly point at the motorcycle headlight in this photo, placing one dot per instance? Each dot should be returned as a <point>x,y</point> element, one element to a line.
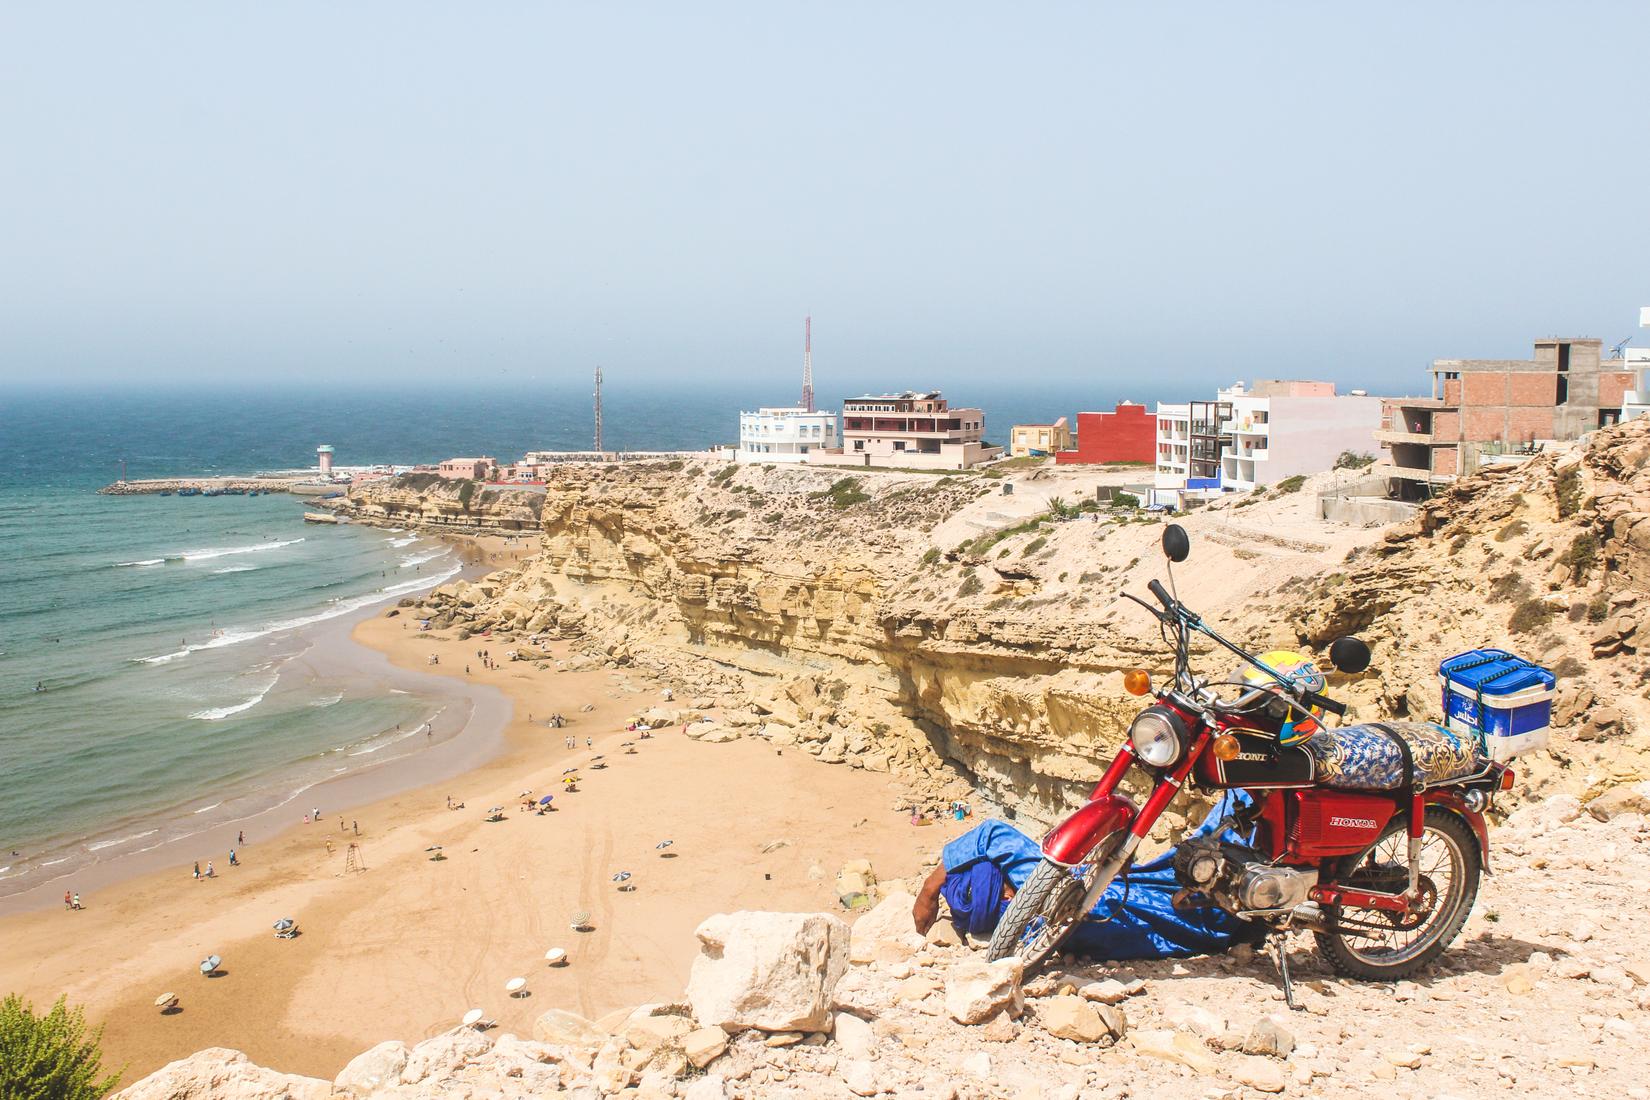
<point>1156,737</point>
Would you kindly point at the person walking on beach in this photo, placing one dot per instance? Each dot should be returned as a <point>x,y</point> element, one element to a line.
<point>355,827</point>
<point>589,744</point>
<point>77,901</point>
<point>209,872</point>
<point>233,862</point>
<point>240,837</point>
<point>197,870</point>
<point>67,900</point>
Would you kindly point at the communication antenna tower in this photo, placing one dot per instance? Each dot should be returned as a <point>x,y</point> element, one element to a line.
<point>598,409</point>
<point>808,363</point>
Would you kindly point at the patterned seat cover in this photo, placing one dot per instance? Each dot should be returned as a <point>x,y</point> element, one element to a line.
<point>1362,758</point>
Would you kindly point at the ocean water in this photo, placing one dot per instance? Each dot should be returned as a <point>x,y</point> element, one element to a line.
<point>152,649</point>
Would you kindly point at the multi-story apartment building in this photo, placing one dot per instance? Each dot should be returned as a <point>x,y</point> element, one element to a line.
<point>785,434</point>
<point>1485,407</point>
<point>1279,428</point>
<point>918,429</point>
<point>1251,437</point>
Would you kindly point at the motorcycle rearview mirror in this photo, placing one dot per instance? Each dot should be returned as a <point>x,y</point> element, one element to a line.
<point>1349,654</point>
<point>1176,545</point>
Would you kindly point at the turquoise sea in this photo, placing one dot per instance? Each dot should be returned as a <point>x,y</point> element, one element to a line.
<point>153,670</point>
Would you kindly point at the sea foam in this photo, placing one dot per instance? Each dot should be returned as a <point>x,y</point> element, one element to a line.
<point>342,607</point>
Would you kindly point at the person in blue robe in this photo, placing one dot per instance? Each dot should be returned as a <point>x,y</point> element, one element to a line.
<point>1135,918</point>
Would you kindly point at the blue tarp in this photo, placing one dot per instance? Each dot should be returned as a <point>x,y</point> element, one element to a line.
<point>1145,924</point>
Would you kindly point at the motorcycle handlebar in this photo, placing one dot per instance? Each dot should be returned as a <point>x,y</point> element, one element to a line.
<point>1313,699</point>
<point>1156,588</point>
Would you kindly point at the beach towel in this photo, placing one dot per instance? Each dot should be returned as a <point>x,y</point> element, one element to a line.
<point>1143,923</point>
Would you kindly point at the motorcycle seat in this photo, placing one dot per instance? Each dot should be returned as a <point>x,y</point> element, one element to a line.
<point>1364,758</point>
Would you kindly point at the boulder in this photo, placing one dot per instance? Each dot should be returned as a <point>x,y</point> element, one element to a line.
<point>854,1035</point>
<point>220,1074</point>
<point>768,971</point>
<point>1269,1038</point>
<point>1071,1017</point>
<point>1260,1074</point>
<point>1631,798</point>
<point>1178,1047</point>
<point>567,1028</point>
<point>976,990</point>
<point>443,1054</point>
<point>378,1068</point>
<point>712,1086</point>
<point>889,920</point>
<point>704,1045</point>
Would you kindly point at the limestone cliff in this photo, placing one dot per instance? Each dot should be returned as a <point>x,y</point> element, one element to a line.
<point>910,622</point>
<point>425,502</point>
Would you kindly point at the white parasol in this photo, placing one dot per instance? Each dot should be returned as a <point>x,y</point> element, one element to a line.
<point>472,1017</point>
<point>514,986</point>
<point>556,956</point>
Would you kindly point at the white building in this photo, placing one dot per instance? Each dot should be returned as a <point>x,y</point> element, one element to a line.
<point>785,435</point>
<point>1277,429</point>
<point>1173,445</point>
<point>1636,402</point>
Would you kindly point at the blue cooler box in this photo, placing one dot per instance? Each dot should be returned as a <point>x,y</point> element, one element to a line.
<point>1505,701</point>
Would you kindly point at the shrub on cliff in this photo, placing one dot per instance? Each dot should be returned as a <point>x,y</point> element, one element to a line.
<point>1290,484</point>
<point>1352,460</point>
<point>50,1057</point>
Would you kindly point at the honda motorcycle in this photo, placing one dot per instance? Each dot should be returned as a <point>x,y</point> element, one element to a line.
<point>1385,876</point>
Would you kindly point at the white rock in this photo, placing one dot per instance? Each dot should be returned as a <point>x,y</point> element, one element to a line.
<point>1109,991</point>
<point>890,920</point>
<point>976,990</point>
<point>704,1046</point>
<point>1261,1074</point>
<point>979,1064</point>
<point>771,971</point>
<point>567,1028</point>
<point>854,1035</point>
<point>861,1077</point>
<point>444,1053</point>
<point>711,1086</point>
<point>378,1068</point>
<point>217,1073</point>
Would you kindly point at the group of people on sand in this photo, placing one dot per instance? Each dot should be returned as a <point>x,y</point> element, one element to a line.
<point>71,900</point>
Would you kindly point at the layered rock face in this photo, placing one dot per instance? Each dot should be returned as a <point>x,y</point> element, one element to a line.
<point>900,622</point>
<point>1549,559</point>
<point>425,502</point>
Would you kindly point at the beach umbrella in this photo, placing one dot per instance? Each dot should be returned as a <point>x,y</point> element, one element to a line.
<point>664,843</point>
<point>284,924</point>
<point>556,957</point>
<point>514,986</point>
<point>210,963</point>
<point>473,1017</point>
<point>569,771</point>
<point>166,1000</point>
<point>622,876</point>
<point>496,809</point>
<point>547,799</point>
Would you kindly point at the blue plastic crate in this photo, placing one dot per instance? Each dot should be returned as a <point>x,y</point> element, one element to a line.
<point>1504,700</point>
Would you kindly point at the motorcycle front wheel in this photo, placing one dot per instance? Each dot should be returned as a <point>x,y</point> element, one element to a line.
<point>1050,904</point>
<point>1375,945</point>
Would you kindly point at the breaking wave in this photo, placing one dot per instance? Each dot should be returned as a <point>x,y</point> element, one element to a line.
<point>342,607</point>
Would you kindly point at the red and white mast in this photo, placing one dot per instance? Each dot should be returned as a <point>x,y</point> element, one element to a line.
<point>808,363</point>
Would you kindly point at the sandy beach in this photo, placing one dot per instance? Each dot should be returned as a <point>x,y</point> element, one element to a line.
<point>404,947</point>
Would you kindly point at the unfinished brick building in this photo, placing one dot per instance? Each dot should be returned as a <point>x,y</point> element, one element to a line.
<point>1486,407</point>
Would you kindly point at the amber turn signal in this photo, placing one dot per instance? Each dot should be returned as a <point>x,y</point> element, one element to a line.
<point>1507,778</point>
<point>1225,747</point>
<point>1137,681</point>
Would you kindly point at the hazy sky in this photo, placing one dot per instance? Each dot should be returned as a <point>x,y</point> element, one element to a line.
<point>497,191</point>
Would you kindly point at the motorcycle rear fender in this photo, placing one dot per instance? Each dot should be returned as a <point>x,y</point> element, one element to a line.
<point>1454,803</point>
<point>1069,842</point>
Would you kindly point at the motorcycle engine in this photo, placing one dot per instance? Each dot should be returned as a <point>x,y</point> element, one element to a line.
<point>1238,878</point>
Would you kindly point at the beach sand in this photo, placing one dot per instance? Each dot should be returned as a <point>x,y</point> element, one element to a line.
<point>402,949</point>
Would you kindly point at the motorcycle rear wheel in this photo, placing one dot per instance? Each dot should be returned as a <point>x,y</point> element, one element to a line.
<point>1373,945</point>
<point>1049,906</point>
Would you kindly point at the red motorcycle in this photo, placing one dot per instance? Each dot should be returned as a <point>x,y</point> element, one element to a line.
<point>1371,836</point>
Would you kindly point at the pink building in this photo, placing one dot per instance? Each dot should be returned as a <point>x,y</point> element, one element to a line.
<point>476,469</point>
<point>908,429</point>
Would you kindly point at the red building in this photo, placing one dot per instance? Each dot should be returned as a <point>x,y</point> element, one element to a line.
<point>1127,434</point>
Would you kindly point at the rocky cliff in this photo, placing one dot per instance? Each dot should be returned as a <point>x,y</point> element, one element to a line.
<point>908,622</point>
<point>425,502</point>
